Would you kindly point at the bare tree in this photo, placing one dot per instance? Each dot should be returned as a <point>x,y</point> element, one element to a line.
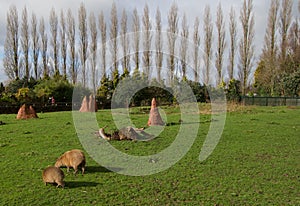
<point>220,24</point>
<point>125,42</point>
<point>270,49</point>
<point>136,38</point>
<point>208,38</point>
<point>184,45</point>
<point>285,19</point>
<point>158,44</point>
<point>246,43</point>
<point>35,45</point>
<point>294,37</point>
<point>93,50</point>
<point>54,39</point>
<point>233,40</point>
<point>294,45</point>
<point>196,45</point>
<point>71,44</point>
<point>113,37</point>
<point>83,36</point>
<point>102,26</point>
<point>172,36</point>
<point>63,41</point>
<point>25,42</point>
<point>147,37</point>
<point>44,47</point>
<point>11,56</point>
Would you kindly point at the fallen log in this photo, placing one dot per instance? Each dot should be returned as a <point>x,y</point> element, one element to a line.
<point>126,133</point>
<point>103,135</point>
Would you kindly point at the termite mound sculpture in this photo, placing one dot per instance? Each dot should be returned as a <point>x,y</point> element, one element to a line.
<point>26,112</point>
<point>154,116</point>
<point>88,104</point>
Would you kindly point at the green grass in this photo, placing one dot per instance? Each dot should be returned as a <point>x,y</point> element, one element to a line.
<point>257,162</point>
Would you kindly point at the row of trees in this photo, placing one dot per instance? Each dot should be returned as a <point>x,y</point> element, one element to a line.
<point>278,71</point>
<point>62,47</point>
<point>42,91</point>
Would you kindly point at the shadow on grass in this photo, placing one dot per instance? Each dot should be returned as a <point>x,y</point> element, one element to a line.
<point>76,184</point>
<point>179,123</point>
<point>97,169</point>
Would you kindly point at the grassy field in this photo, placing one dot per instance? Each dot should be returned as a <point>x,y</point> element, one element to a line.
<point>257,162</point>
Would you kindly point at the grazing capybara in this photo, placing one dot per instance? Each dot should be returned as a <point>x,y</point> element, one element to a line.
<point>73,158</point>
<point>53,175</point>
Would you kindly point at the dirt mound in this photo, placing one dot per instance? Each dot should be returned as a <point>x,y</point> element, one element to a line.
<point>26,112</point>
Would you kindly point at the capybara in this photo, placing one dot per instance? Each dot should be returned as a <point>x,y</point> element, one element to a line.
<point>72,158</point>
<point>53,175</point>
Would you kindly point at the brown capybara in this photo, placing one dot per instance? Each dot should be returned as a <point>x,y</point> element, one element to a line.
<point>53,175</point>
<point>73,158</point>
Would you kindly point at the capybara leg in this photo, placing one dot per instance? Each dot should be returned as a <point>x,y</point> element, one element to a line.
<point>75,170</point>
<point>83,167</point>
<point>59,185</point>
<point>68,169</point>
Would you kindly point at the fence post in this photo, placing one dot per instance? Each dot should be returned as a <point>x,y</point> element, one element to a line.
<point>284,101</point>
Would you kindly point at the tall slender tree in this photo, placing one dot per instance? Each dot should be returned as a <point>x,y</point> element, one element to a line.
<point>294,36</point>
<point>11,46</point>
<point>113,38</point>
<point>158,44</point>
<point>184,45</point>
<point>44,48</point>
<point>220,24</point>
<point>285,19</point>
<point>233,40</point>
<point>172,36</point>
<point>25,43</point>
<point>294,46</point>
<point>93,50</point>
<point>54,39</point>
<point>208,38</point>
<point>83,38</point>
<point>147,37</point>
<point>246,44</point>
<point>72,43</point>
<point>102,27</point>
<point>125,42</point>
<point>269,53</point>
<point>136,38</point>
<point>196,53</point>
<point>63,43</point>
<point>35,45</point>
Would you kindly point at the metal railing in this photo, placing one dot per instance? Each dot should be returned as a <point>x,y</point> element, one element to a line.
<point>9,108</point>
<point>271,101</point>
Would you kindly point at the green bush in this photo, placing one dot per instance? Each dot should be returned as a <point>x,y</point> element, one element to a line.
<point>233,92</point>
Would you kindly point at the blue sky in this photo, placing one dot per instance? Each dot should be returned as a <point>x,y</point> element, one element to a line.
<point>192,8</point>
